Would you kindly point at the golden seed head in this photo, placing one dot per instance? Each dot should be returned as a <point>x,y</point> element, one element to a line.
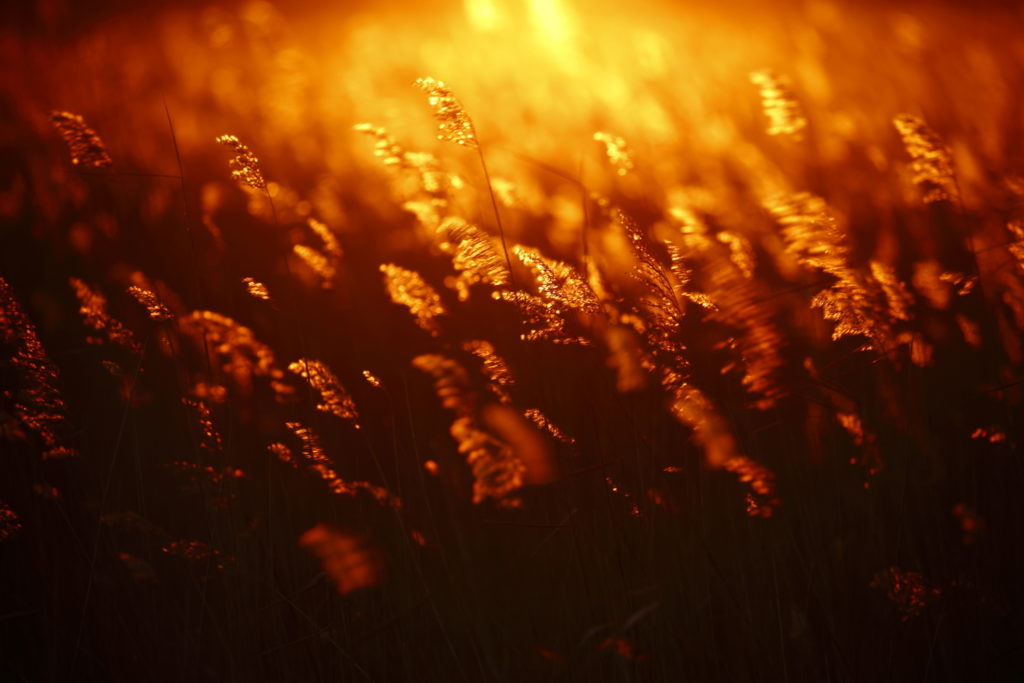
<point>785,116</point>
<point>155,309</point>
<point>559,282</point>
<point>256,289</point>
<point>93,308</point>
<point>245,167</point>
<point>409,289</point>
<point>334,399</point>
<point>619,153</point>
<point>453,123</point>
<point>85,146</point>
<point>931,161</point>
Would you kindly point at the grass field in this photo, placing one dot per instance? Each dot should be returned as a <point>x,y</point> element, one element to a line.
<point>511,341</point>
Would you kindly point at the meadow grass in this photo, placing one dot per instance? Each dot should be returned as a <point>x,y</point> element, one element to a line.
<point>677,344</point>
